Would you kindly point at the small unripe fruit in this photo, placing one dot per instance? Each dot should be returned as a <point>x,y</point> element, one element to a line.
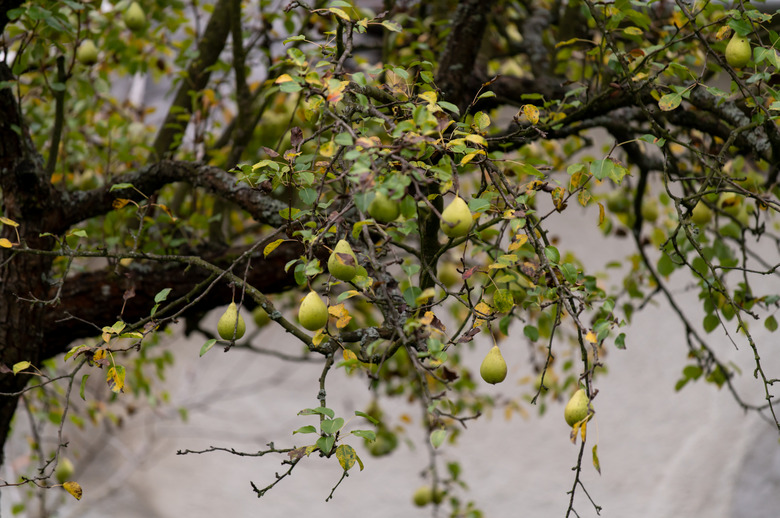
<point>425,495</point>
<point>383,209</point>
<point>493,368</point>
<point>313,313</point>
<point>701,214</point>
<point>64,470</point>
<point>134,17</point>
<point>650,211</point>
<point>87,53</point>
<point>456,219</point>
<point>738,51</point>
<point>260,317</point>
<point>342,263</point>
<point>618,202</point>
<point>448,274</point>
<point>730,202</point>
<point>577,408</point>
<point>227,323</point>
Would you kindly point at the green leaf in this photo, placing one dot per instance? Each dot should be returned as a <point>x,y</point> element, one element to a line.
<point>531,332</point>
<point>365,434</point>
<point>162,295</point>
<point>325,444</point>
<point>84,379</point>
<point>207,346</point>
<point>665,265</point>
<point>318,411</point>
<point>710,323</point>
<point>771,323</point>
<point>552,253</point>
<point>365,415</point>
<point>120,186</point>
<point>620,341</point>
<point>331,426</point>
<point>391,26</point>
<point>306,429</point>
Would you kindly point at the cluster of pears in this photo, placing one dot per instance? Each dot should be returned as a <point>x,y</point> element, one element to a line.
<point>135,20</point>
<point>577,408</point>
<point>456,218</point>
<point>425,495</point>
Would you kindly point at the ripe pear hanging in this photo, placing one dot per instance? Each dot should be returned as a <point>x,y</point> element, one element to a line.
<point>313,313</point>
<point>456,219</point>
<point>493,368</point>
<point>227,323</point>
<point>577,408</point>
<point>342,263</point>
<point>738,51</point>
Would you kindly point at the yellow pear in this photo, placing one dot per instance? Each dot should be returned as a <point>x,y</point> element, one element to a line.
<point>701,214</point>
<point>383,209</point>
<point>87,53</point>
<point>493,368</point>
<point>134,17</point>
<point>738,51</point>
<point>456,218</point>
<point>577,408</point>
<point>227,323</point>
<point>342,263</point>
<point>313,313</point>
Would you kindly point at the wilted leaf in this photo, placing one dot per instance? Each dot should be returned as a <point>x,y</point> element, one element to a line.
<point>270,247</point>
<point>74,489</point>
<point>669,102</point>
<point>596,458</point>
<point>346,456</point>
<point>115,377</point>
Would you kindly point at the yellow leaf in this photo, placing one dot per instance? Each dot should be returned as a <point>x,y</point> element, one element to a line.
<point>406,419</point>
<point>483,309</point>
<point>532,113</point>
<point>601,213</point>
<point>5,243</point>
<point>467,158</point>
<point>596,463</point>
<point>429,96</point>
<point>74,489</point>
<point>427,318</point>
<point>284,78</point>
<point>346,456</point>
<point>19,367</point>
<point>349,355</point>
<point>270,247</point>
<point>634,31</point>
<point>6,221</point>
<point>477,139</point>
<point>338,310</point>
<point>591,337</point>
<point>338,12</point>
<point>318,338</point>
<point>115,377</point>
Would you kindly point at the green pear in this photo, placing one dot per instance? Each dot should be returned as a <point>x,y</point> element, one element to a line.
<point>577,408</point>
<point>493,368</point>
<point>87,53</point>
<point>313,313</point>
<point>650,211</point>
<point>64,470</point>
<point>260,317</point>
<point>701,214</point>
<point>730,202</point>
<point>456,219</point>
<point>227,323</point>
<point>618,202</point>
<point>448,274</point>
<point>383,209</point>
<point>342,263</point>
<point>134,17</point>
<point>425,495</point>
<point>738,51</point>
